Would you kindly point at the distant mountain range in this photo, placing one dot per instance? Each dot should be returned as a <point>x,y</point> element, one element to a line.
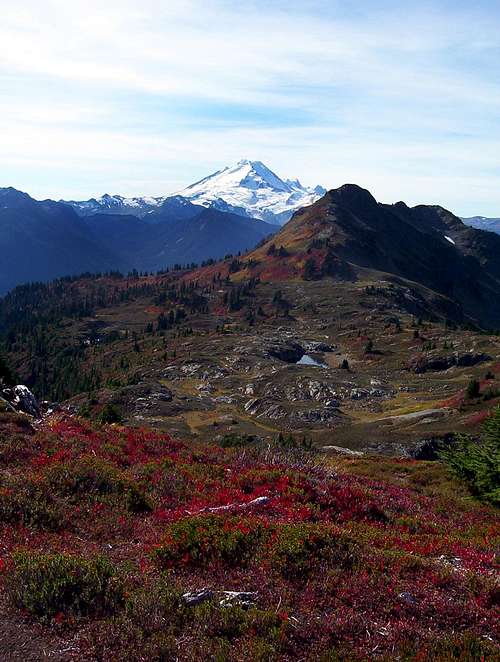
<point>248,188</point>
<point>229,212</point>
<point>40,241</point>
<point>43,240</point>
<point>483,223</point>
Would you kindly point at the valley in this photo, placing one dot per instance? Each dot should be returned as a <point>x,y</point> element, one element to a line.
<point>393,369</point>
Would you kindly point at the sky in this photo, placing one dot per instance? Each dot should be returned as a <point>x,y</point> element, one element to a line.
<point>143,97</point>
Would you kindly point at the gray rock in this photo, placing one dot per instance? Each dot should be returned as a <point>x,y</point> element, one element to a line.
<point>342,451</point>
<point>358,394</point>
<point>319,347</point>
<point>245,599</point>
<point>275,412</point>
<point>326,415</point>
<point>252,406</point>
<point>22,400</point>
<point>193,598</point>
<point>289,352</point>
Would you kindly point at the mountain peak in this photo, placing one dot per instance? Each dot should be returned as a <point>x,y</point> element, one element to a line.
<point>354,197</point>
<point>251,188</point>
<point>249,162</point>
<point>11,197</point>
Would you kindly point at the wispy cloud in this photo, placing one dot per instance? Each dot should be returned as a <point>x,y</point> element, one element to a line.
<point>142,97</point>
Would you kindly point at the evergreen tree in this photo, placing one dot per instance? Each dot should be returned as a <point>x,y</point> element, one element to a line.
<point>6,374</point>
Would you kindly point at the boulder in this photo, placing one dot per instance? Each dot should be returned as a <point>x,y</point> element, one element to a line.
<point>194,598</point>
<point>22,400</point>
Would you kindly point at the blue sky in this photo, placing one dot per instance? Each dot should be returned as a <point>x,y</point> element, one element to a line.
<point>144,97</point>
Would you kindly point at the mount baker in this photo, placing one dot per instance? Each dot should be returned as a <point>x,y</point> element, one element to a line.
<point>248,188</point>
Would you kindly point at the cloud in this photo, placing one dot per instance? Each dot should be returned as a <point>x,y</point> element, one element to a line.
<point>109,95</point>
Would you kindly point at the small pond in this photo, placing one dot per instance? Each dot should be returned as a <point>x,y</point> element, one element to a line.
<point>309,360</point>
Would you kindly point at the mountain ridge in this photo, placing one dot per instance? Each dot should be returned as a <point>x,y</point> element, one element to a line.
<point>347,229</point>
<point>43,240</point>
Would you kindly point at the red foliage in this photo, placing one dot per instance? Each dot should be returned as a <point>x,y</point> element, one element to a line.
<point>476,419</point>
<point>421,566</point>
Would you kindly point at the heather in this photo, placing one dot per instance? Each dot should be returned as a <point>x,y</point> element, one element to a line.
<point>132,545</point>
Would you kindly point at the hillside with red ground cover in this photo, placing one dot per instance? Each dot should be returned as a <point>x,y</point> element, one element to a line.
<point>125,544</point>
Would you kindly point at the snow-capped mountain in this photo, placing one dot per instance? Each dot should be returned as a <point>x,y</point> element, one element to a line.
<point>249,188</point>
<point>116,204</point>
<point>483,223</point>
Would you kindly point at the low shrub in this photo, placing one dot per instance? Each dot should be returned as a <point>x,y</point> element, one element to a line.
<point>164,479</point>
<point>231,622</point>
<point>491,394</point>
<point>200,540</point>
<point>95,477</point>
<point>233,440</point>
<point>109,414</point>
<point>24,501</point>
<point>473,389</point>
<point>146,629</point>
<point>455,648</point>
<point>156,625</point>
<point>51,584</point>
<point>16,448</point>
<point>296,549</point>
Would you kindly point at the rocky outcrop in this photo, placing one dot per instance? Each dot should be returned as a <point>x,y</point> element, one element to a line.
<point>289,352</point>
<point>341,450</point>
<point>429,449</point>
<point>364,393</point>
<point>144,399</point>
<point>326,416</point>
<point>312,389</point>
<point>21,399</point>
<point>424,363</point>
